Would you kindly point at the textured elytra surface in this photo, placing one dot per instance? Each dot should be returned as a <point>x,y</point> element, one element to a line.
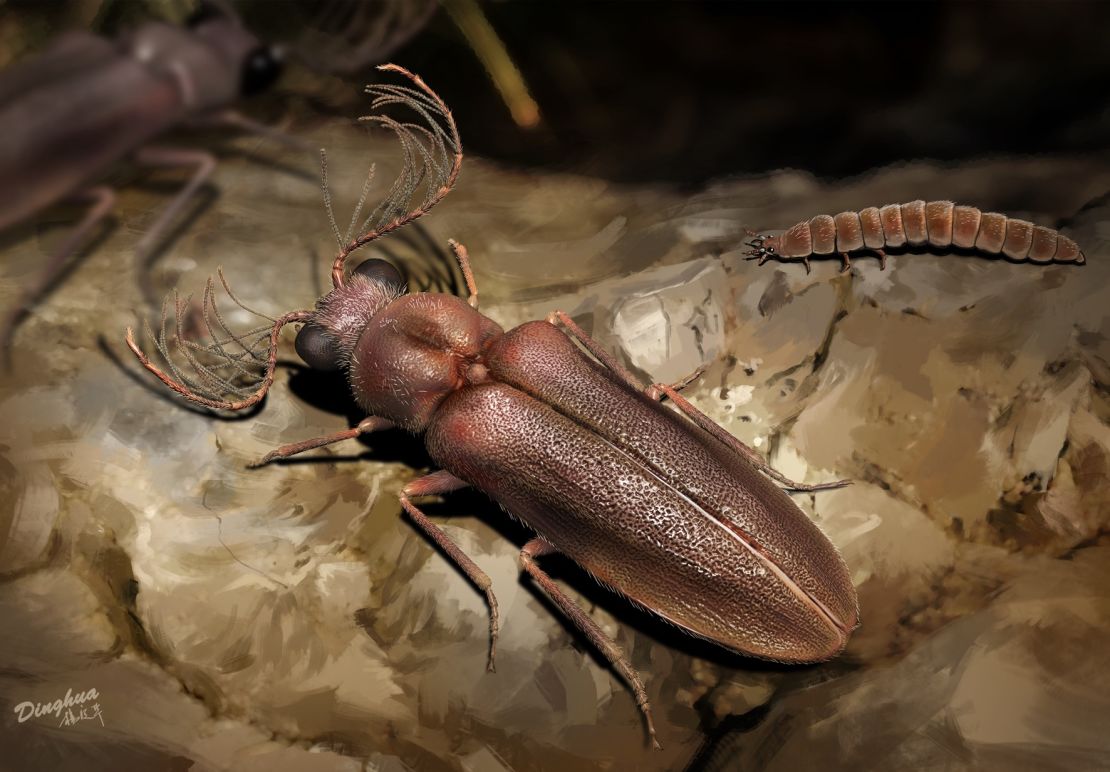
<point>287,618</point>
<point>723,487</point>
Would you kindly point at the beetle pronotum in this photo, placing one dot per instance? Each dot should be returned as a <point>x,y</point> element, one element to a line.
<point>665,507</point>
<point>916,224</point>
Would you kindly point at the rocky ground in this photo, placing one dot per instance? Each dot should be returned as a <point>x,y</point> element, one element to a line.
<point>288,618</point>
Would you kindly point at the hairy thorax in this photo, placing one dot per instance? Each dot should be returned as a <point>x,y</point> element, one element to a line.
<point>414,352</point>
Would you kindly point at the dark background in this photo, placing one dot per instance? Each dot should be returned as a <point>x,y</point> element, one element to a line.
<point>688,92</point>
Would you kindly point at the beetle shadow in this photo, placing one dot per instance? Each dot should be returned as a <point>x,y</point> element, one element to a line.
<point>635,617</point>
<point>473,503</point>
<point>28,231</point>
<point>723,741</point>
<point>330,392</point>
<point>138,375</point>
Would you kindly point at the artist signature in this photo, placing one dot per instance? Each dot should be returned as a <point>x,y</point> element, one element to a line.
<point>69,710</point>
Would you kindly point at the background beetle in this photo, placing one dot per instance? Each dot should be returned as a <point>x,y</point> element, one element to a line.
<point>670,511</point>
<point>70,112</point>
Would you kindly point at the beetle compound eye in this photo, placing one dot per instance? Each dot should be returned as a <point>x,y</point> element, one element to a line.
<point>205,12</point>
<point>261,68</point>
<point>316,348</point>
<point>381,271</point>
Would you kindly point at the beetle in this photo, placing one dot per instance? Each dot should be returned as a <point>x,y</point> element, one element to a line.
<point>671,511</point>
<point>85,103</point>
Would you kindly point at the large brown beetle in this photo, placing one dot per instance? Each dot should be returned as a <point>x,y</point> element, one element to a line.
<point>669,510</point>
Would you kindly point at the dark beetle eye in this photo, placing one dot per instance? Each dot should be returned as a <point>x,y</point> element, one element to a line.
<point>771,250</point>
<point>381,271</point>
<point>317,349</point>
<point>261,68</point>
<point>205,12</point>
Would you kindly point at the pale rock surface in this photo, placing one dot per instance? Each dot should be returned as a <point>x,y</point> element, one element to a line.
<point>289,618</point>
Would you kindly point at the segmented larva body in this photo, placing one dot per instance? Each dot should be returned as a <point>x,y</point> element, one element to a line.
<point>936,223</point>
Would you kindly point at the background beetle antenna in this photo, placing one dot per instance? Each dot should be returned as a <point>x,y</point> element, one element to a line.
<point>432,158</point>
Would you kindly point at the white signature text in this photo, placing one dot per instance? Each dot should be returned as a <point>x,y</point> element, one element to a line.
<point>69,710</point>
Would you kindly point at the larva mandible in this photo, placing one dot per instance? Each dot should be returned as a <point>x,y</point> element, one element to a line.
<point>936,223</point>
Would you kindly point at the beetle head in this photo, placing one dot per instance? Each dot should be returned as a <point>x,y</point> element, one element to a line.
<point>326,342</point>
<point>260,69</point>
<point>259,65</point>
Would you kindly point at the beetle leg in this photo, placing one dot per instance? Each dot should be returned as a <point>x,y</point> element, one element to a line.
<point>103,199</point>
<point>444,482</point>
<point>658,390</point>
<point>235,119</point>
<point>538,547</point>
<point>464,265</point>
<point>203,164</point>
<point>847,263</point>
<point>882,259</point>
<point>655,392</point>
<point>711,426</point>
<point>365,426</point>
<point>573,330</point>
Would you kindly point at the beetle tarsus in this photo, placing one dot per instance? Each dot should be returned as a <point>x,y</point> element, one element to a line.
<point>538,547</point>
<point>656,393</point>
<point>790,485</point>
<point>463,258</point>
<point>651,728</point>
<point>444,482</point>
<point>371,424</point>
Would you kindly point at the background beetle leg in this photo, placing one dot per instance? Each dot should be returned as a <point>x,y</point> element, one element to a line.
<point>538,547</point>
<point>203,165</point>
<point>102,200</point>
<point>365,426</point>
<point>234,119</point>
<point>445,482</point>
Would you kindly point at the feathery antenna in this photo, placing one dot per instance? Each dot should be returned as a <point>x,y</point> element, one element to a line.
<point>233,371</point>
<point>432,158</point>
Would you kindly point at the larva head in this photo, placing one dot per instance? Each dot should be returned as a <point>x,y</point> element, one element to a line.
<point>763,246</point>
<point>328,339</point>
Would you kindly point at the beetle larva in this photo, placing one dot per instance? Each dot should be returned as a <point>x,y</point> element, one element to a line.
<point>916,224</point>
